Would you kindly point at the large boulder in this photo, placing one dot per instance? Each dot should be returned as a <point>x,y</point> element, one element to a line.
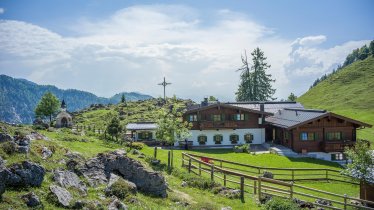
<point>117,205</point>
<point>5,137</point>
<point>25,174</point>
<point>97,171</point>
<point>61,194</point>
<point>31,199</point>
<point>68,179</point>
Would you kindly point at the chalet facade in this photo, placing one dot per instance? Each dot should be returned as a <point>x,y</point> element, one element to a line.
<point>142,131</point>
<point>318,133</point>
<point>225,125</point>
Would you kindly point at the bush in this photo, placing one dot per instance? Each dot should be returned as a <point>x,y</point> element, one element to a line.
<point>242,148</point>
<point>137,145</point>
<point>195,181</point>
<point>9,147</point>
<point>121,189</point>
<point>280,204</point>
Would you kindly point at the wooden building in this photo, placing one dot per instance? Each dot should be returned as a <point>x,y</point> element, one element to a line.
<point>317,133</point>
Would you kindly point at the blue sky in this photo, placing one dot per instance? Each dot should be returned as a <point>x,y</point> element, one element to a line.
<point>110,46</point>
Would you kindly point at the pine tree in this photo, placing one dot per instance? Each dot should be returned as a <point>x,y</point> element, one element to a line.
<point>47,106</point>
<point>255,84</point>
<point>123,98</point>
<point>114,127</point>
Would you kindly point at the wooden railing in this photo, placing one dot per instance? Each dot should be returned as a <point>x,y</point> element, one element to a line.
<point>218,124</point>
<point>261,186</point>
<point>336,146</point>
<point>285,174</point>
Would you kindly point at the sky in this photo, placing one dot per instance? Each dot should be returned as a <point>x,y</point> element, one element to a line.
<point>107,47</point>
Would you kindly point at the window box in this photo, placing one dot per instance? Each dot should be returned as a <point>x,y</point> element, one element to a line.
<point>202,139</point>
<point>218,139</point>
<point>234,138</point>
<point>248,138</point>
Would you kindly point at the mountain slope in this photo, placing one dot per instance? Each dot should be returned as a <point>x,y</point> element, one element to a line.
<point>19,97</point>
<point>349,92</point>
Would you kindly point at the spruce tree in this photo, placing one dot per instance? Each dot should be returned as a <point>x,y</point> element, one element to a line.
<point>255,84</point>
<point>123,98</point>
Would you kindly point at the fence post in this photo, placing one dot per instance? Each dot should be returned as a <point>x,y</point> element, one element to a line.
<point>155,154</point>
<point>345,201</point>
<point>291,190</point>
<point>199,169</point>
<point>212,172</point>
<point>172,158</point>
<point>259,188</point>
<point>182,159</point>
<point>221,164</point>
<point>189,165</point>
<point>169,160</point>
<point>254,187</point>
<point>242,187</point>
<point>293,175</point>
<point>259,170</point>
<point>224,180</point>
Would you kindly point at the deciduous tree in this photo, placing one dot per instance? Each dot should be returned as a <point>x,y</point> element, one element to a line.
<point>47,106</point>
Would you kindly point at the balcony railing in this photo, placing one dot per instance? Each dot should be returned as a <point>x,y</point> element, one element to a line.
<point>216,125</point>
<point>336,146</point>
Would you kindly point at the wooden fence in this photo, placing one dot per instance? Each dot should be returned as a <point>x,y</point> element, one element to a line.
<point>93,128</point>
<point>285,174</point>
<point>262,186</point>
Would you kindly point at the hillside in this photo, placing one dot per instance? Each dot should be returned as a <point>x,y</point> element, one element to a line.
<point>349,92</point>
<point>19,97</point>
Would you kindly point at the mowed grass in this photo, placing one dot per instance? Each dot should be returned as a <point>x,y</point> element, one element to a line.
<point>350,92</point>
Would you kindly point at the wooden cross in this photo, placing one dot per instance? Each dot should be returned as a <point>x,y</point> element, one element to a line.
<point>164,83</point>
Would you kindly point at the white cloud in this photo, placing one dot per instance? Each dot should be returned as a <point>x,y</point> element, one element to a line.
<point>2,10</point>
<point>135,47</point>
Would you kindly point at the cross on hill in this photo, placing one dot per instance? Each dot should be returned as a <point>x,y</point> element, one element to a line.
<point>164,83</point>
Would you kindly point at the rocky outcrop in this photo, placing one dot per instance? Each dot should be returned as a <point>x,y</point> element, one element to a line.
<point>46,153</point>
<point>68,179</point>
<point>61,194</point>
<point>31,199</point>
<point>117,205</point>
<point>5,137</point>
<point>97,171</point>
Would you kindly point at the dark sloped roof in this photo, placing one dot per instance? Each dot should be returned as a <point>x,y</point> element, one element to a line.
<point>291,118</point>
<point>142,126</point>
<point>226,105</point>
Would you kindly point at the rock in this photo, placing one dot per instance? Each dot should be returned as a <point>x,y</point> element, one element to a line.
<point>79,204</point>
<point>323,202</point>
<point>25,174</point>
<point>63,196</point>
<point>31,199</point>
<point>141,156</point>
<point>2,162</point>
<point>226,208</point>
<point>155,162</point>
<point>112,179</point>
<point>5,137</point>
<point>24,141</point>
<point>37,136</point>
<point>3,177</point>
<point>184,184</point>
<point>46,153</point>
<point>23,149</point>
<point>68,179</point>
<point>120,152</point>
<point>97,170</point>
<point>303,204</point>
<point>135,152</point>
<point>117,205</point>
<point>268,174</point>
<point>127,186</point>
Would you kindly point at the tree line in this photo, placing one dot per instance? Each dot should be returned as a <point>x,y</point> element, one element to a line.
<point>356,55</point>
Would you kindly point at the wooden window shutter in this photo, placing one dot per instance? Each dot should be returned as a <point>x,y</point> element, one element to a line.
<point>222,117</point>
<point>246,116</point>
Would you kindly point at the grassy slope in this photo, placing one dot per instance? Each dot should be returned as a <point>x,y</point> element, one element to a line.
<point>350,92</point>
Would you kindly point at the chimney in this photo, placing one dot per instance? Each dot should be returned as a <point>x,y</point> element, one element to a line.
<point>262,107</point>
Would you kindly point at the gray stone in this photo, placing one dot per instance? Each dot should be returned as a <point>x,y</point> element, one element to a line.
<point>5,137</point>
<point>130,186</point>
<point>184,184</point>
<point>25,174</point>
<point>268,174</point>
<point>23,149</point>
<point>79,204</point>
<point>23,141</point>
<point>68,179</point>
<point>112,179</point>
<point>31,199</point>
<point>46,153</point>
<point>226,208</point>
<point>63,196</point>
<point>117,205</point>
<point>135,152</point>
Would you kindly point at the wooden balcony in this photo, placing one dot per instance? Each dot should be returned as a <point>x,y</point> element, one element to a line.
<point>336,146</point>
<point>217,125</point>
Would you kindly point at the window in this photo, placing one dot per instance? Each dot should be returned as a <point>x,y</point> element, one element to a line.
<point>234,138</point>
<point>202,139</point>
<point>192,118</point>
<point>307,136</point>
<point>248,138</point>
<point>240,117</point>
<point>332,136</point>
<point>286,135</point>
<point>218,138</point>
<point>216,117</point>
<point>338,156</point>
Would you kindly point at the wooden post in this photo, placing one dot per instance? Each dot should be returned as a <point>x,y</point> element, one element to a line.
<point>345,201</point>
<point>293,175</point>
<point>259,170</point>
<point>182,160</point>
<point>168,160</point>
<point>224,180</point>
<point>189,165</point>
<point>242,187</point>
<point>212,172</point>
<point>259,188</point>
<point>254,187</point>
<point>155,154</point>
<point>291,190</point>
<point>221,164</point>
<point>172,158</point>
<point>199,169</point>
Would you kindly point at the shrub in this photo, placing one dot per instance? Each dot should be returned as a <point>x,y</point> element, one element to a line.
<point>70,138</point>
<point>121,189</point>
<point>280,204</point>
<point>9,147</point>
<point>137,145</point>
<point>195,181</point>
<point>242,148</point>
